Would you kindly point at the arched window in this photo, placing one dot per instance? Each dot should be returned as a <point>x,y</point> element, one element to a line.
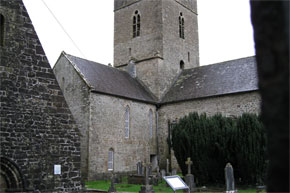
<point>181,25</point>
<point>127,122</point>
<point>2,29</point>
<point>111,160</point>
<point>136,24</point>
<point>150,123</point>
<point>181,65</point>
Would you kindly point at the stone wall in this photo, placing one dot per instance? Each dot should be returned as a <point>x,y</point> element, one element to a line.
<point>76,94</point>
<point>37,128</point>
<point>107,131</point>
<point>228,105</point>
<point>159,39</point>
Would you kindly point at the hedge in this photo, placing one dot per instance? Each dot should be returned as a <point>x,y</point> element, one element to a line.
<point>212,142</point>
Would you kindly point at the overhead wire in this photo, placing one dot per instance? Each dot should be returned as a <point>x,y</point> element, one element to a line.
<point>64,30</point>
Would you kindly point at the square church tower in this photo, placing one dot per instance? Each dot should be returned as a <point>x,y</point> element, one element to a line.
<point>157,44</point>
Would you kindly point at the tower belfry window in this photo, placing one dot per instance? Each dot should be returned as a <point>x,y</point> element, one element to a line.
<point>2,30</point>
<point>136,24</point>
<point>181,25</point>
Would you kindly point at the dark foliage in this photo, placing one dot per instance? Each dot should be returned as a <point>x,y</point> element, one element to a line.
<point>212,142</point>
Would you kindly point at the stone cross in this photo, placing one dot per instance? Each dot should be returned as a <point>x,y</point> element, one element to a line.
<point>229,177</point>
<point>112,187</point>
<point>188,163</point>
<point>147,166</point>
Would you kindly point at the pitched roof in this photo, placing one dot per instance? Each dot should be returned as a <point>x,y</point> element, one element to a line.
<point>109,80</point>
<point>218,79</point>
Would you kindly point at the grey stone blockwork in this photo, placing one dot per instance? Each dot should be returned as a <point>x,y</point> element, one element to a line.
<point>107,131</point>
<point>155,50</point>
<point>76,93</point>
<point>37,128</point>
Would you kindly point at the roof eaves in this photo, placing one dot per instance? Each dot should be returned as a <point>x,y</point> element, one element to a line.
<point>124,97</point>
<point>208,96</point>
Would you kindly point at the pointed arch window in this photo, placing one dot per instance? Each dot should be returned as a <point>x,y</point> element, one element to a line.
<point>127,122</point>
<point>150,123</point>
<point>2,29</point>
<point>181,25</point>
<point>136,24</point>
<point>111,160</point>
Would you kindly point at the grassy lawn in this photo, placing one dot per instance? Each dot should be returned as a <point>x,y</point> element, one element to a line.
<point>161,188</point>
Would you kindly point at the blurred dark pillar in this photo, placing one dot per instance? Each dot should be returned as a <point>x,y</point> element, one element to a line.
<point>270,21</point>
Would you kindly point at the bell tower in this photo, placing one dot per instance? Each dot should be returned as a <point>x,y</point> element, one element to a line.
<point>159,36</point>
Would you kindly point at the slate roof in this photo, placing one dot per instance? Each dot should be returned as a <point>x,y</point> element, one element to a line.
<point>217,79</point>
<point>109,80</point>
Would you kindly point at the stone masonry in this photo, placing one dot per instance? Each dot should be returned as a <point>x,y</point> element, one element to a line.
<point>155,50</point>
<point>37,128</point>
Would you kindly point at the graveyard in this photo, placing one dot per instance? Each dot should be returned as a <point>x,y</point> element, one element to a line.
<point>146,181</point>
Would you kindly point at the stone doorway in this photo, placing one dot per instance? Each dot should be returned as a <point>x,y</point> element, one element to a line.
<point>10,177</point>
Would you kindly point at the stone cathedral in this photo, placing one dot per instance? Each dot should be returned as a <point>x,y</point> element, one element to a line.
<point>124,111</point>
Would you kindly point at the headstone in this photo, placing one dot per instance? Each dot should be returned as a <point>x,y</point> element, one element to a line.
<point>150,170</point>
<point>158,173</point>
<point>163,173</point>
<point>174,171</point>
<point>112,187</point>
<point>154,180</point>
<point>189,178</point>
<point>188,163</point>
<point>140,170</point>
<point>167,167</point>
<point>229,177</point>
<point>147,188</point>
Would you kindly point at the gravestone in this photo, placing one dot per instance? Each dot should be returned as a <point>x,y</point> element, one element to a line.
<point>154,180</point>
<point>158,173</point>
<point>174,171</point>
<point>189,178</point>
<point>167,167</point>
<point>229,177</point>
<point>163,173</point>
<point>112,187</point>
<point>147,188</point>
<point>140,169</point>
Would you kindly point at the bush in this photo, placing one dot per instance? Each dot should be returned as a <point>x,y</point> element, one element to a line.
<point>212,142</point>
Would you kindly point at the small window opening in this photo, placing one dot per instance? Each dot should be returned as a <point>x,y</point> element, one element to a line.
<point>181,65</point>
<point>188,56</point>
<point>127,122</point>
<point>181,25</point>
<point>111,160</point>
<point>150,123</point>
<point>2,29</point>
<point>136,24</point>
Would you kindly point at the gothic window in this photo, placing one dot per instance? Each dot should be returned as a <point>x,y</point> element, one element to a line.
<point>150,123</point>
<point>111,160</point>
<point>181,65</point>
<point>136,24</point>
<point>181,25</point>
<point>2,30</point>
<point>127,122</point>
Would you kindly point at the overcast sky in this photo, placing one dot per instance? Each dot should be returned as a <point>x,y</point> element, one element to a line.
<point>225,30</point>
